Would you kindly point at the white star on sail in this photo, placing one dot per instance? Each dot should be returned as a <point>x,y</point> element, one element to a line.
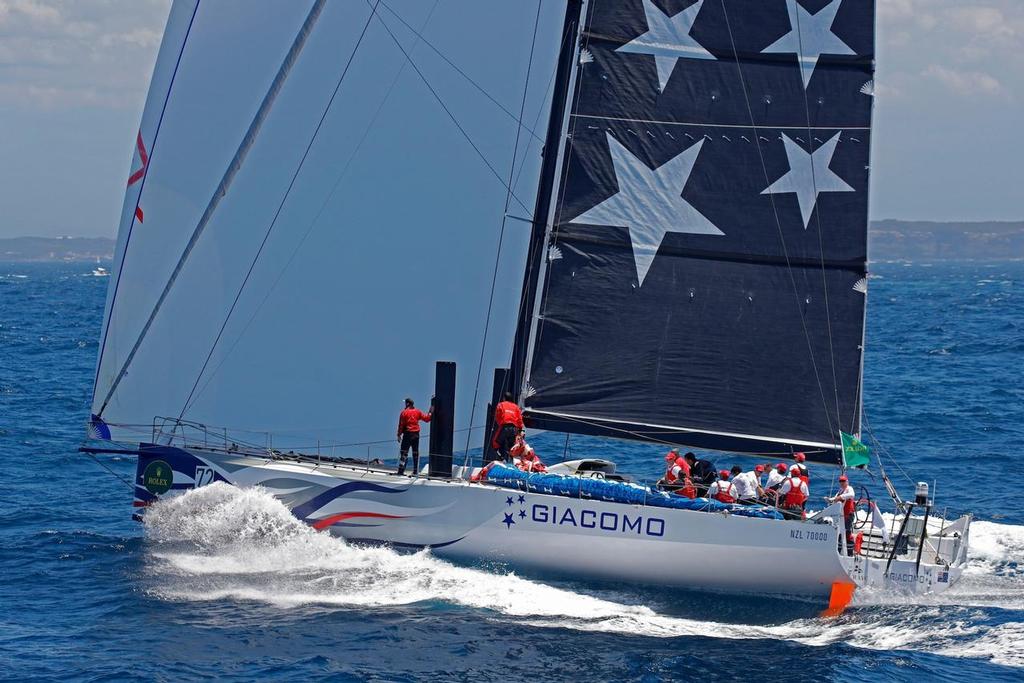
<point>810,36</point>
<point>649,203</point>
<point>668,39</point>
<point>809,175</point>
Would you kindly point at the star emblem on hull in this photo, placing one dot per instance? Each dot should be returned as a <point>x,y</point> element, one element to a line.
<point>508,521</point>
<point>809,175</point>
<point>649,203</point>
<point>810,36</point>
<point>668,39</point>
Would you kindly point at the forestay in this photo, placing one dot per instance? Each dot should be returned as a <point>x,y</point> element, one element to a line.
<point>704,276</point>
<point>376,266</point>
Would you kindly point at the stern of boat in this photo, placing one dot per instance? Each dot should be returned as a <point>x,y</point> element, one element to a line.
<point>928,557</point>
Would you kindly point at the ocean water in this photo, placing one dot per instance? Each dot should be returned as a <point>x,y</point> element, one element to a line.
<point>226,584</point>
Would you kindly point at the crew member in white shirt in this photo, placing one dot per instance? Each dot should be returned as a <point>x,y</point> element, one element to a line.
<point>748,484</point>
<point>848,498</point>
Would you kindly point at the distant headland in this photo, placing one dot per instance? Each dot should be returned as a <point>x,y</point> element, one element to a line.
<point>889,240</point>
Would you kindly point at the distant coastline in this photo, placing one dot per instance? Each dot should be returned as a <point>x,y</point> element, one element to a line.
<point>889,240</point>
<point>56,249</point>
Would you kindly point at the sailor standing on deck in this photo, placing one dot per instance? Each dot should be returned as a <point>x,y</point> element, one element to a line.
<point>508,423</point>
<point>848,498</point>
<point>409,434</point>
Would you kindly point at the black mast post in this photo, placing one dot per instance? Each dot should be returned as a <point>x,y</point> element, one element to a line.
<point>442,425</point>
<point>545,195</point>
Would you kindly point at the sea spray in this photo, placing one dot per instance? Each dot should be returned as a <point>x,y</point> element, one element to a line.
<point>224,543</point>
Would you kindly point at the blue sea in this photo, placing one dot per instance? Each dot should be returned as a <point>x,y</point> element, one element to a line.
<point>228,585</point>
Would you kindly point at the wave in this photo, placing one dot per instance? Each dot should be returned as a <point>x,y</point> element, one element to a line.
<point>224,543</point>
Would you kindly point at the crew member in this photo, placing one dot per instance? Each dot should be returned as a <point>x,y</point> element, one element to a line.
<point>776,477</point>
<point>508,423</point>
<point>409,434</point>
<point>529,462</point>
<point>801,459</point>
<point>702,472</point>
<point>677,475</point>
<point>524,457</point>
<point>847,497</point>
<point>723,490</point>
<point>676,469</point>
<point>748,484</point>
<point>793,494</point>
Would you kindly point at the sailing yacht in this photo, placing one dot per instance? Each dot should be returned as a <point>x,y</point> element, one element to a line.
<point>694,273</point>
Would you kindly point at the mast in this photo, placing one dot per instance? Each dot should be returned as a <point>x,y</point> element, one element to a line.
<point>554,147</point>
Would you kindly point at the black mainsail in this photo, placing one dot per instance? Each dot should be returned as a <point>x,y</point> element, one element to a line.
<point>701,279</point>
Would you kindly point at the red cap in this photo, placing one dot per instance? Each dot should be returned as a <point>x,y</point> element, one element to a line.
<point>759,469</point>
<point>724,474</point>
<point>842,477</point>
<point>781,467</point>
<point>799,457</point>
<point>670,456</point>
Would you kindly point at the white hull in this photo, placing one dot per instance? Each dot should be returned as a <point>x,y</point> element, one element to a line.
<point>550,534</point>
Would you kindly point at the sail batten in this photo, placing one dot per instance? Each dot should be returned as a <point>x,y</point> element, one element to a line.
<point>710,227</point>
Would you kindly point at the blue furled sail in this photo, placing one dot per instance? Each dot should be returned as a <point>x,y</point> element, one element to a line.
<point>700,279</point>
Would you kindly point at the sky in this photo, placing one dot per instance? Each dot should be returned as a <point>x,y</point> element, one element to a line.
<point>74,75</point>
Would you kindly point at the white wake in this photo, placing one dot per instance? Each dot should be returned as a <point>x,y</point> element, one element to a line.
<point>224,543</point>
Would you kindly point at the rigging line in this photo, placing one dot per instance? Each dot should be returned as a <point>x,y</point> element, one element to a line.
<point>548,92</point>
<point>821,244</point>
<point>519,120</point>
<point>501,232</point>
<point>117,476</point>
<point>280,206</point>
<point>142,186</point>
<point>323,206</point>
<point>448,111</point>
<point>882,450</point>
<point>225,183</point>
<point>778,223</point>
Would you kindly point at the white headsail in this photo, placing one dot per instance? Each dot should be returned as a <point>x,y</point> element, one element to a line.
<point>374,265</point>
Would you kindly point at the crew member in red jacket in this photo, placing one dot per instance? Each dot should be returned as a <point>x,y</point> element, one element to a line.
<point>409,435</point>
<point>508,423</point>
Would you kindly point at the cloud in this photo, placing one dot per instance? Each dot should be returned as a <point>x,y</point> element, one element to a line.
<point>31,10</point>
<point>939,48</point>
<point>965,82</point>
<point>69,53</point>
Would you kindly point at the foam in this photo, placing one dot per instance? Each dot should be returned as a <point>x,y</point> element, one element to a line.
<point>223,543</point>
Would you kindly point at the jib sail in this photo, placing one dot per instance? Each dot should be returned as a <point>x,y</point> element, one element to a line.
<point>702,276</point>
<point>293,261</point>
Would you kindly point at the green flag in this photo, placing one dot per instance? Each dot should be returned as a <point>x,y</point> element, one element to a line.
<point>855,453</point>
